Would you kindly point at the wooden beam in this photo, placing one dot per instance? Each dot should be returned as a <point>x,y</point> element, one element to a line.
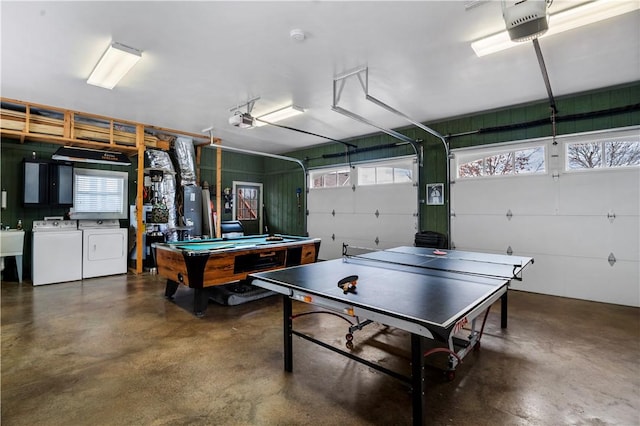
<point>139,198</point>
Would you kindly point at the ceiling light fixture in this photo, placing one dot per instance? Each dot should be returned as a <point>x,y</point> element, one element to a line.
<point>113,65</point>
<point>278,115</point>
<point>566,20</point>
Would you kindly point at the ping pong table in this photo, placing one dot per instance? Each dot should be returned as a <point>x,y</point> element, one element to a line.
<point>431,294</point>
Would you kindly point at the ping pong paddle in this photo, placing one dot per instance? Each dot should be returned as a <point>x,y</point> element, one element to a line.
<point>348,284</point>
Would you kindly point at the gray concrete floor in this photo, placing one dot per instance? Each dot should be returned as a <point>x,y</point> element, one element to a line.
<point>113,351</point>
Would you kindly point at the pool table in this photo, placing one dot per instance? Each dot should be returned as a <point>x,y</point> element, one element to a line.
<point>200,264</point>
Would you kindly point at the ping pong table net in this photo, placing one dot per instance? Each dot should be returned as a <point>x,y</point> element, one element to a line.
<point>364,253</point>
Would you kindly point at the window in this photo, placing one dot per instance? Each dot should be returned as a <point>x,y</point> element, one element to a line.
<point>607,153</point>
<point>513,161</point>
<point>99,194</point>
<point>386,173</point>
<point>330,178</point>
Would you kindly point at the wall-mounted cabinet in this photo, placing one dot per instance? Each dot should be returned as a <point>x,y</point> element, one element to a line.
<point>47,183</point>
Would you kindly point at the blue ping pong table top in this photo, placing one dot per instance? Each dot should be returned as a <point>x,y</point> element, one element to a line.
<point>428,296</point>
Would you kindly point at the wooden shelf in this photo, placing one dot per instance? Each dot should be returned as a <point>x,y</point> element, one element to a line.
<point>28,121</point>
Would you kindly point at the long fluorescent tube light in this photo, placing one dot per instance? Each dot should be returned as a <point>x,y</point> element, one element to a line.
<point>86,155</point>
<point>578,16</point>
<point>278,115</point>
<point>113,65</point>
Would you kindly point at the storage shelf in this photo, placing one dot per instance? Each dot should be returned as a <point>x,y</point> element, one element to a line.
<point>33,122</point>
<point>28,121</point>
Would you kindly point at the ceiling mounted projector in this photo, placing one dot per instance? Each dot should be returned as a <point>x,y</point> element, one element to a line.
<point>526,19</point>
<point>241,120</point>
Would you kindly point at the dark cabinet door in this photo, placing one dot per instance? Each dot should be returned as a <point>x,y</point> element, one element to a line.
<point>47,183</point>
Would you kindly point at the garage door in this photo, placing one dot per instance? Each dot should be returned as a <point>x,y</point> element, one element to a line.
<point>573,206</point>
<point>371,205</point>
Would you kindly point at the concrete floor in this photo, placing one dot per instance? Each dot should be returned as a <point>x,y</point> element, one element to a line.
<point>113,351</point>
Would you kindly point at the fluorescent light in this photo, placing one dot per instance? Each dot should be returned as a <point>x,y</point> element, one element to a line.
<point>113,65</point>
<point>278,115</point>
<point>578,16</point>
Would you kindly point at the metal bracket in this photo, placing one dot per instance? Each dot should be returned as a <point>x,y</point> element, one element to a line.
<point>377,241</point>
<point>377,213</point>
<point>509,215</point>
<point>249,104</point>
<point>611,259</point>
<point>509,251</point>
<point>333,213</point>
<point>333,237</point>
<point>611,216</point>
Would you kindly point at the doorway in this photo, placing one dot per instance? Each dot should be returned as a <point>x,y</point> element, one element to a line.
<point>247,207</point>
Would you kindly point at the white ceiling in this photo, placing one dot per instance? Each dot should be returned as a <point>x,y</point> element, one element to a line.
<point>200,59</point>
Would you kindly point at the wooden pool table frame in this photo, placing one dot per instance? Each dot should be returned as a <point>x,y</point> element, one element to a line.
<point>183,263</point>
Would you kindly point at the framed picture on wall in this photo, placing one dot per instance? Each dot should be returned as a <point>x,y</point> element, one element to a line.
<point>435,194</point>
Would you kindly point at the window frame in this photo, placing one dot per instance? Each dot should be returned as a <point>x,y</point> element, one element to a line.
<point>481,153</point>
<point>601,140</point>
<point>394,162</point>
<point>121,177</point>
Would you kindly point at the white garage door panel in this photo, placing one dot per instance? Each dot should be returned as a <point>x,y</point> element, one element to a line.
<point>582,278</point>
<point>481,232</point>
<point>597,280</point>
<point>599,192</point>
<point>355,221</point>
<point>322,224</point>
<point>558,235</point>
<point>621,241</point>
<point>569,225</point>
<point>330,249</point>
<point>341,225</point>
<point>540,277</point>
<point>386,198</point>
<point>327,200</point>
<point>500,195</point>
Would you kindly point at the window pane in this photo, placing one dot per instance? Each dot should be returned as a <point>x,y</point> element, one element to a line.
<point>530,161</point>
<point>402,175</point>
<point>384,175</point>
<point>330,180</point>
<point>366,175</point>
<point>501,164</point>
<point>584,155</point>
<point>316,181</point>
<point>96,194</point>
<point>622,153</point>
<point>343,178</point>
<point>471,169</point>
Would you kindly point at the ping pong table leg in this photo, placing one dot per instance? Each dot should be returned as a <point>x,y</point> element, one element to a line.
<point>288,334</point>
<point>418,387</point>
<point>503,310</point>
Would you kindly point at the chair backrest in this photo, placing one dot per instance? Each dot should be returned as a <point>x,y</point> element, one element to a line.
<point>431,239</point>
<point>231,229</point>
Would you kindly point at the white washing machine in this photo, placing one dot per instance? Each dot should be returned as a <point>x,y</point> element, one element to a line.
<point>57,251</point>
<point>104,247</point>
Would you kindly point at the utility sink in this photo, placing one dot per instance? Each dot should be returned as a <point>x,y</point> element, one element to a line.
<point>12,244</point>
